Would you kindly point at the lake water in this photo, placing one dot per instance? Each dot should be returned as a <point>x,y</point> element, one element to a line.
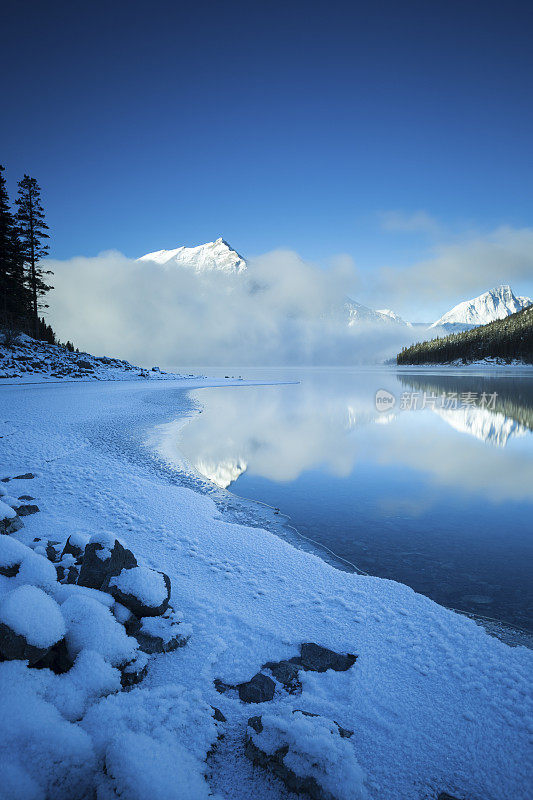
<point>433,487</point>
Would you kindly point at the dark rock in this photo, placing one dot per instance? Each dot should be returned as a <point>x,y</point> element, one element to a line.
<point>5,480</point>
<point>11,571</point>
<point>52,551</point>
<point>26,497</point>
<point>446,796</point>
<point>134,672</point>
<point>26,477</point>
<point>73,574</point>
<point>151,643</point>
<point>26,510</point>
<point>136,606</point>
<point>85,364</point>
<point>8,526</point>
<point>256,724</point>
<point>96,572</point>
<point>286,673</point>
<point>57,659</point>
<point>71,549</point>
<point>344,732</point>
<point>260,689</point>
<point>67,573</point>
<point>15,646</point>
<point>221,687</point>
<point>218,715</point>
<point>315,658</point>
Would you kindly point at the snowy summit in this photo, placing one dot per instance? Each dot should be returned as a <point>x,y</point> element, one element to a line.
<point>212,256</point>
<point>495,304</point>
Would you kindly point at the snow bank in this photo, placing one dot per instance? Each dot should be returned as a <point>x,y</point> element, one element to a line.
<point>91,625</point>
<point>90,678</point>
<point>46,756</point>
<point>153,743</point>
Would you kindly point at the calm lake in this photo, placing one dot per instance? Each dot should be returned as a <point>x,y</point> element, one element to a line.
<point>431,485</point>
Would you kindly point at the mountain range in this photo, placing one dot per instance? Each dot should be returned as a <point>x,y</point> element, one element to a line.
<point>492,305</point>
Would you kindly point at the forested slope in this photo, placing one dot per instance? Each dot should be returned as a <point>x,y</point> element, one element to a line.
<point>508,339</point>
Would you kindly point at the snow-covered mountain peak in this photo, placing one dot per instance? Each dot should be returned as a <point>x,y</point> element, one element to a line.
<point>497,303</point>
<point>357,313</point>
<point>387,312</point>
<point>212,256</point>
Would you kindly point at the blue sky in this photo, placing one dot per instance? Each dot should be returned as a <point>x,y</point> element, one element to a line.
<point>381,130</point>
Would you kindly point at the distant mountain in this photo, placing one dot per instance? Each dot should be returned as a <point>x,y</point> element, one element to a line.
<point>495,304</point>
<point>212,256</point>
<point>357,313</point>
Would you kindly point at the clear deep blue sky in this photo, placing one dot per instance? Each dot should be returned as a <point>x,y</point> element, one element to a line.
<point>152,125</point>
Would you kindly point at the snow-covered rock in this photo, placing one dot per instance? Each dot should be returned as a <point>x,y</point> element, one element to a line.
<point>30,624</point>
<point>217,255</point>
<point>27,567</point>
<point>159,634</point>
<point>311,754</point>
<point>495,304</point>
<point>144,591</point>
<point>12,552</point>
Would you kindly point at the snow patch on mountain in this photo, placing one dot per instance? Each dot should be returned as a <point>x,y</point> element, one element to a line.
<point>212,256</point>
<point>495,304</point>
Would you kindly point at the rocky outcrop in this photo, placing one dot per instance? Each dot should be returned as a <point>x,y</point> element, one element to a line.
<point>50,635</point>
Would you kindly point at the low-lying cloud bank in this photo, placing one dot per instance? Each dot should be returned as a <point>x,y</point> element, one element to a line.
<point>281,311</point>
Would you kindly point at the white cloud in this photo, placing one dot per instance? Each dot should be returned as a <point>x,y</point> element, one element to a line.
<point>415,222</point>
<point>462,268</point>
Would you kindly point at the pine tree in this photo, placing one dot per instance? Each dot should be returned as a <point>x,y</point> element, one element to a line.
<point>32,231</point>
<point>14,294</point>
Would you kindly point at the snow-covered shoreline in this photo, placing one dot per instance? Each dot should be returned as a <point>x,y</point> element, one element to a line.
<point>434,703</point>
